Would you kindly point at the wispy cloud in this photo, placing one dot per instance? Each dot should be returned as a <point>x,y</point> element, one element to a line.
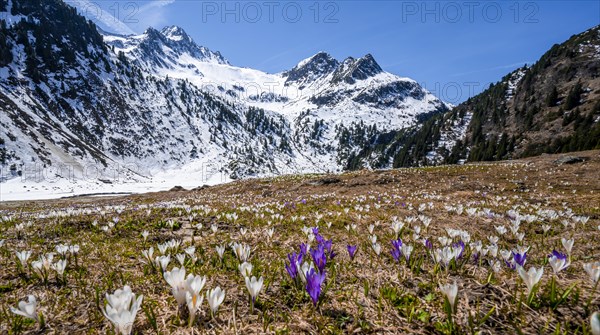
<point>500,67</point>
<point>103,18</point>
<point>124,18</point>
<point>153,14</point>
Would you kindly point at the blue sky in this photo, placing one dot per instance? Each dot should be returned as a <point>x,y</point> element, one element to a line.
<point>453,48</point>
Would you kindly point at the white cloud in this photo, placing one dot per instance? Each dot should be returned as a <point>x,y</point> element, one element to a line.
<point>101,17</point>
<point>124,18</point>
<point>152,14</point>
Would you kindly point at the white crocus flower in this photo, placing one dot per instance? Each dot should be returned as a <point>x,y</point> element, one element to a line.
<point>215,298</point>
<point>162,248</point>
<point>176,279</point>
<point>406,251</point>
<point>595,323</point>
<point>162,262</point>
<point>62,249</point>
<point>450,291</point>
<point>520,236</point>
<point>23,256</point>
<point>567,244</point>
<point>593,270</point>
<point>194,284</point>
<point>180,258</point>
<point>377,248</point>
<point>193,303</point>
<point>444,241</point>
<point>506,254</point>
<point>531,277</point>
<point>60,266</point>
<point>270,232</point>
<point>145,235</point>
<point>496,266</point>
<point>241,251</point>
<point>476,246</point>
<point>74,249</point>
<point>190,251</point>
<point>443,255</point>
<point>148,254</point>
<point>245,269</point>
<point>220,250</point>
<point>304,269</point>
<point>193,299</point>
<point>121,309</point>
<point>493,250</point>
<point>254,286</point>
<point>27,309</point>
<point>397,226</point>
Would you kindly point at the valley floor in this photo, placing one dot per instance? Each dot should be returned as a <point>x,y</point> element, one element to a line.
<point>463,224</point>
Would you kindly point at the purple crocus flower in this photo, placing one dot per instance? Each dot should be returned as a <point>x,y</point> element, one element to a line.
<point>292,268</point>
<point>460,244</point>
<point>319,257</point>
<point>351,250</point>
<point>520,258</point>
<point>314,281</point>
<point>428,244</point>
<point>320,239</point>
<point>558,254</point>
<point>327,245</point>
<point>303,249</point>
<point>396,245</point>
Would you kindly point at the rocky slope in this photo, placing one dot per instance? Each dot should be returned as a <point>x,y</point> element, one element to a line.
<point>552,106</point>
<point>83,103</point>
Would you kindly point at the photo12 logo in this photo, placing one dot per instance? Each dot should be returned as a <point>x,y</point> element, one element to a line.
<point>269,11</point>
<point>453,92</point>
<point>469,11</point>
<point>108,11</point>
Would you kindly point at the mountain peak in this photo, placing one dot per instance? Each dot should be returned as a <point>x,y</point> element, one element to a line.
<point>353,69</point>
<point>153,36</point>
<point>319,57</point>
<point>368,66</point>
<point>312,68</point>
<point>175,33</point>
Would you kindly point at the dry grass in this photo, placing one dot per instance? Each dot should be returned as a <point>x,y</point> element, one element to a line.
<point>372,294</point>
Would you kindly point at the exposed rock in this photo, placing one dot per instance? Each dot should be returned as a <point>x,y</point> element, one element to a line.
<point>177,189</point>
<point>200,188</point>
<point>568,160</point>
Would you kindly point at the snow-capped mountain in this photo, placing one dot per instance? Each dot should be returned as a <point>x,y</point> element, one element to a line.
<point>91,105</point>
<point>551,106</point>
<point>338,92</point>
